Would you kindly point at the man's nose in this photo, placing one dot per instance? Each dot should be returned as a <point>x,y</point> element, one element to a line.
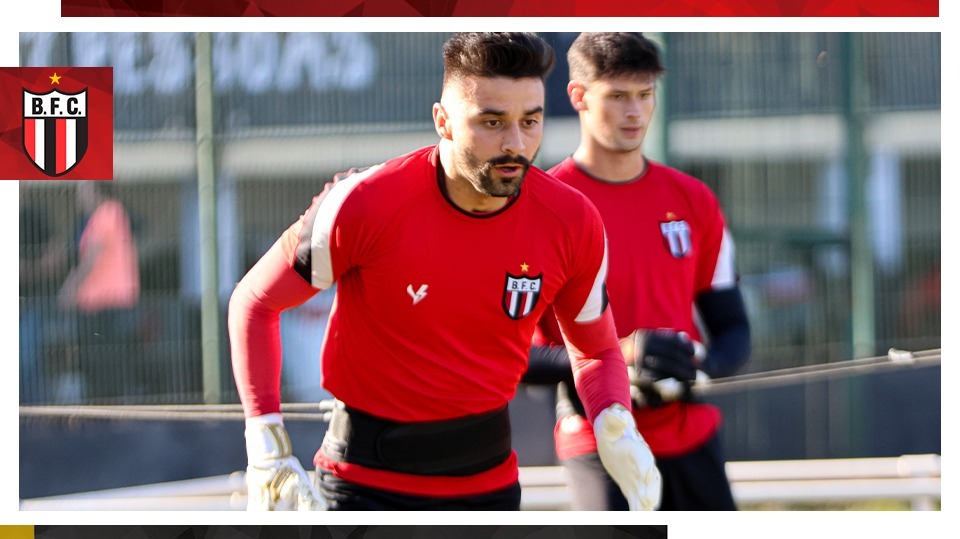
<point>512,140</point>
<point>634,106</point>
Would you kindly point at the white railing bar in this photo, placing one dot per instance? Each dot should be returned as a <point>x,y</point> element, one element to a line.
<point>911,477</point>
<point>888,467</point>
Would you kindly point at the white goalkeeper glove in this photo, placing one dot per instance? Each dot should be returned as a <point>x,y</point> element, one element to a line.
<point>275,479</point>
<point>627,458</point>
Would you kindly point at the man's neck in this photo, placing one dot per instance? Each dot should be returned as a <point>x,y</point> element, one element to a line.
<point>616,167</point>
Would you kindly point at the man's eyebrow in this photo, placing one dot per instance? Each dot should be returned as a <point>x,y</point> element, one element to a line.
<point>620,89</point>
<point>495,112</point>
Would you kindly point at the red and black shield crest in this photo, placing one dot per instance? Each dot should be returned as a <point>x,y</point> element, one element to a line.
<point>520,295</point>
<point>676,237</point>
<point>55,129</point>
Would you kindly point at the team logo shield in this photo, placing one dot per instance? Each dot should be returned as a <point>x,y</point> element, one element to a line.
<point>55,129</point>
<point>676,236</point>
<point>521,294</point>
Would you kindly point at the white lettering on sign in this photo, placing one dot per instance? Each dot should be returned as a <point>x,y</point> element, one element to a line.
<point>255,63</point>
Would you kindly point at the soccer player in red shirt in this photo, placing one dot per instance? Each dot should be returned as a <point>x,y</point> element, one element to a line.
<point>444,258</point>
<point>670,255</point>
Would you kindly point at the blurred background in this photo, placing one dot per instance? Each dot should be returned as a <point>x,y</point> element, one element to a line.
<point>823,148</point>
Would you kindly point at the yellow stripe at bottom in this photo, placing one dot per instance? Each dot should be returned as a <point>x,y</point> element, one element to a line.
<point>16,532</point>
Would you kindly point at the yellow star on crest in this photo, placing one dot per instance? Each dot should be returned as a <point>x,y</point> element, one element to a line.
<point>55,79</point>
<point>524,267</point>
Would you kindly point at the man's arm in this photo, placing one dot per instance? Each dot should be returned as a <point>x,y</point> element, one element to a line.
<point>599,370</point>
<point>600,375</point>
<point>275,479</point>
<point>662,358</point>
<point>725,317</point>
<point>253,321</point>
<point>67,296</point>
<point>548,364</point>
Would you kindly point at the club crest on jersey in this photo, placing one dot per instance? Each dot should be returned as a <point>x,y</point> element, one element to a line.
<point>676,236</point>
<point>520,295</point>
<point>55,129</point>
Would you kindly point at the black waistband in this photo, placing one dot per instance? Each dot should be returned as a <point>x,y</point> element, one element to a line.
<point>456,447</point>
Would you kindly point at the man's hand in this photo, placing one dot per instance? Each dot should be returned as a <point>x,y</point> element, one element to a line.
<point>659,354</point>
<point>663,364</point>
<point>627,458</point>
<point>275,479</point>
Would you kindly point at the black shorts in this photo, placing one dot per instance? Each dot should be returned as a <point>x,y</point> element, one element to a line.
<point>342,495</point>
<point>694,482</point>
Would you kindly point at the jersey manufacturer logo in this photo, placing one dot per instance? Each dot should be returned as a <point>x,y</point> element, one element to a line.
<point>676,236</point>
<point>55,129</point>
<point>520,295</point>
<point>419,294</point>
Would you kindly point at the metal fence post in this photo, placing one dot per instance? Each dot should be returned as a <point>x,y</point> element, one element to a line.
<point>862,309</point>
<point>207,189</point>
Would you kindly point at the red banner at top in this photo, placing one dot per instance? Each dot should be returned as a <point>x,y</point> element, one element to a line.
<point>500,8</point>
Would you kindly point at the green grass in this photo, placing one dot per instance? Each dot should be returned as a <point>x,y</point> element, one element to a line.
<point>872,505</point>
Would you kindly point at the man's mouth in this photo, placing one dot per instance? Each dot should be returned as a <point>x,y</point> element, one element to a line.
<point>510,170</point>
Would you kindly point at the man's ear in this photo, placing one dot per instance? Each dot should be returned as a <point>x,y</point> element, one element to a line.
<point>441,121</point>
<point>575,91</point>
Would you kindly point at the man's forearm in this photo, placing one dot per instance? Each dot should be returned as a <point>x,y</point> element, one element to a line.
<point>547,365</point>
<point>253,320</point>
<point>725,317</point>
<point>599,370</point>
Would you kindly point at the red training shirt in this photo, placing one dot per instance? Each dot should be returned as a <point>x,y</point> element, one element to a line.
<point>667,243</point>
<point>435,308</point>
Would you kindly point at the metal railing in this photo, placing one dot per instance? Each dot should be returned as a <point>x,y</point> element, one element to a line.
<point>914,478</point>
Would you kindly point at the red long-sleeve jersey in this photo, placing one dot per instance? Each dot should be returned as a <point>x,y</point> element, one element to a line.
<point>668,244</point>
<point>435,307</point>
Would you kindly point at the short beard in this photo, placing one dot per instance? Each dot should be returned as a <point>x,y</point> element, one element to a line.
<point>481,174</point>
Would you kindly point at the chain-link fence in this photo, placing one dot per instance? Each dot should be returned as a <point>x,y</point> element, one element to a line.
<point>762,118</point>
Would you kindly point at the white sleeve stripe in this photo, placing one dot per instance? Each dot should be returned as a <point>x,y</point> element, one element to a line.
<point>593,307</point>
<point>321,270</point>
<point>725,274</point>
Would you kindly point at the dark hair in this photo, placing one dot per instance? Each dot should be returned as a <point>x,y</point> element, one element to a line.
<point>514,55</point>
<point>612,54</point>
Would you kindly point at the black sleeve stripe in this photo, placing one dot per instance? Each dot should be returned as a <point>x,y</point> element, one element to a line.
<point>303,262</point>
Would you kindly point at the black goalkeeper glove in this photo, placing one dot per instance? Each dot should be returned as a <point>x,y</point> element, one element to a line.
<point>661,355</point>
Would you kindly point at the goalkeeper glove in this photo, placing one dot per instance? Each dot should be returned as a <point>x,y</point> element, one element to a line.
<point>275,479</point>
<point>660,354</point>
<point>627,458</point>
<point>664,364</point>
